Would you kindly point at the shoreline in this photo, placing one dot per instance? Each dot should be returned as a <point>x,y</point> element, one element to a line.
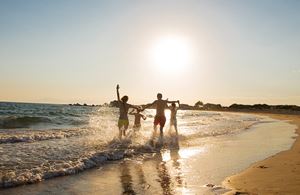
<point>195,169</point>
<point>277,174</point>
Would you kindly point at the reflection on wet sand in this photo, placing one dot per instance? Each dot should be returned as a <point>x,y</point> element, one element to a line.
<point>168,174</point>
<point>176,164</point>
<point>132,178</point>
<point>126,179</point>
<point>169,168</point>
<point>164,176</point>
<point>141,177</point>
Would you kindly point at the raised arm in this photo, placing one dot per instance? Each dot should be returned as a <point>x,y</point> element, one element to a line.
<point>131,112</point>
<point>178,102</point>
<point>118,94</point>
<point>133,106</point>
<point>149,105</point>
<point>144,117</point>
<point>171,101</point>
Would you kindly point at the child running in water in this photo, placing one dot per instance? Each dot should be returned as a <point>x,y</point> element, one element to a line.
<point>123,122</point>
<point>173,119</point>
<point>137,118</point>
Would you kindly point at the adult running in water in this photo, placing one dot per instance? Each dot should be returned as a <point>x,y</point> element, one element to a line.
<point>123,122</point>
<point>160,118</point>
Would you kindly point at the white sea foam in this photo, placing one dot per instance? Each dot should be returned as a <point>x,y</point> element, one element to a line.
<point>28,156</point>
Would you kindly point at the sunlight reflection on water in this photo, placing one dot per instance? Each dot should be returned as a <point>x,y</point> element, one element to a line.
<point>186,153</point>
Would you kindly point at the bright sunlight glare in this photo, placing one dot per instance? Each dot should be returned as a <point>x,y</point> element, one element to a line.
<point>171,54</point>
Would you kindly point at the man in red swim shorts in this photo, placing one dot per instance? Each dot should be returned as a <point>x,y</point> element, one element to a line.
<point>160,118</point>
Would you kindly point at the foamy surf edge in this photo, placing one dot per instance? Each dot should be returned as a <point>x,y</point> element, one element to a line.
<point>116,151</point>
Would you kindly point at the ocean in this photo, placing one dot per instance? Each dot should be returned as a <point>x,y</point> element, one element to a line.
<point>43,141</point>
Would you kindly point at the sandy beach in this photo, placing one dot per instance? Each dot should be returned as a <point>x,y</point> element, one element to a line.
<point>278,174</point>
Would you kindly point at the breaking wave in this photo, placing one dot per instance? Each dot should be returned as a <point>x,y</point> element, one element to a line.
<point>115,150</point>
<point>39,141</point>
<point>36,135</point>
<point>12,122</point>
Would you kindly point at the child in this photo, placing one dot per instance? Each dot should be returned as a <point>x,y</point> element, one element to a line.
<point>173,119</point>
<point>137,118</point>
<point>123,122</point>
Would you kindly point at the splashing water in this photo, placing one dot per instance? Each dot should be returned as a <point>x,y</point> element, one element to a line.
<point>41,141</point>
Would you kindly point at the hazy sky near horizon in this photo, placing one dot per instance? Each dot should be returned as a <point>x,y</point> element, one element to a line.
<point>77,51</point>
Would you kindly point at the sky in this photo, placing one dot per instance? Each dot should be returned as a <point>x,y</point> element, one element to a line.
<point>219,51</point>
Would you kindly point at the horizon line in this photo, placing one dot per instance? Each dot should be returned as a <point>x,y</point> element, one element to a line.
<point>21,102</point>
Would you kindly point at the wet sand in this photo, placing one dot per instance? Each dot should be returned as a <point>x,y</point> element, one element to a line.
<point>278,174</point>
<point>196,167</point>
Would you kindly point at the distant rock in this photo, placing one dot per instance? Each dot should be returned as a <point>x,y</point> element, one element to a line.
<point>77,104</point>
<point>265,107</point>
<point>114,103</point>
<point>187,107</point>
<point>210,106</point>
<point>199,104</point>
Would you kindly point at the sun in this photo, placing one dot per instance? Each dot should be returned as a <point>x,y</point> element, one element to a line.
<point>171,54</point>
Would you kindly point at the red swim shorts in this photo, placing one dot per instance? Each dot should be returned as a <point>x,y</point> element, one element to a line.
<point>161,120</point>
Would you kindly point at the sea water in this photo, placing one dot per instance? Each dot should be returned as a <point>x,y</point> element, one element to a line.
<point>42,141</point>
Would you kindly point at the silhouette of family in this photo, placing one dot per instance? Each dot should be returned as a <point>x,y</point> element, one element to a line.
<point>160,119</point>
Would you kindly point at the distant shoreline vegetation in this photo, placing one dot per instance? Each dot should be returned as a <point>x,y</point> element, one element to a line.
<point>280,109</point>
<point>84,104</point>
<point>286,109</point>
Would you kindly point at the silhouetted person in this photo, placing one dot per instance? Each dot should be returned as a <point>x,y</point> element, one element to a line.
<point>160,118</point>
<point>123,122</point>
<point>173,119</point>
<point>137,119</point>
